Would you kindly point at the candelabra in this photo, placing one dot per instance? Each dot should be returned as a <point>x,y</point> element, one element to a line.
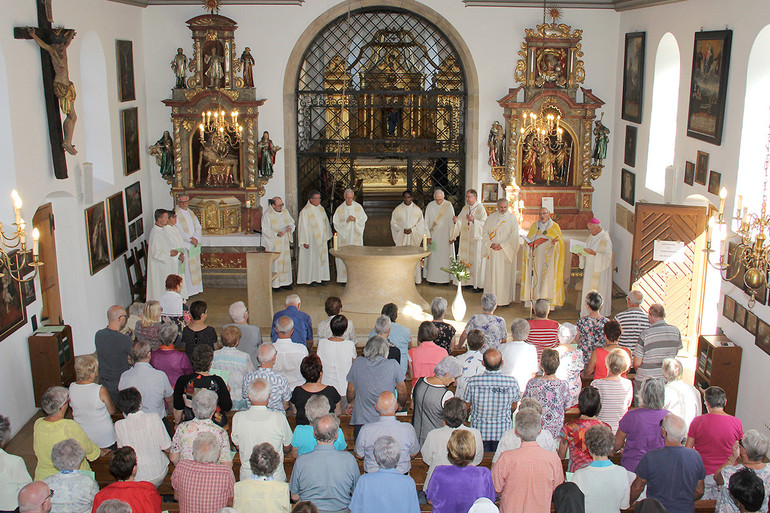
<point>13,263</point>
<point>224,131</point>
<point>546,125</point>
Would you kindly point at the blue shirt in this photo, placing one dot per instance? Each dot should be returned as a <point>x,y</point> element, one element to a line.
<point>672,473</point>
<point>151,383</point>
<point>385,491</point>
<point>303,325</point>
<point>326,477</point>
<point>401,337</point>
<point>404,434</point>
<point>491,395</point>
<point>305,442</point>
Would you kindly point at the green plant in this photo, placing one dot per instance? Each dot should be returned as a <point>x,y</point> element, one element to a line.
<point>460,269</point>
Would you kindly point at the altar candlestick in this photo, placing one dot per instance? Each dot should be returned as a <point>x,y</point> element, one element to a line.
<point>35,242</point>
<point>334,241</point>
<point>722,198</point>
<point>424,242</point>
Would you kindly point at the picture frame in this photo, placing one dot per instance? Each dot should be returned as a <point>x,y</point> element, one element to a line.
<point>701,167</point>
<point>140,228</point>
<point>751,323</point>
<point>131,232</point>
<point>689,172</point>
<point>714,181</point>
<point>708,85</point>
<point>116,219</point>
<point>628,186</point>
<point>125,58</point>
<point>740,314</point>
<point>629,156</point>
<point>13,312</point>
<point>762,339</point>
<point>96,237</point>
<point>129,124</point>
<point>633,77</point>
<point>728,308</point>
<point>28,292</point>
<point>133,201</point>
<point>489,192</point>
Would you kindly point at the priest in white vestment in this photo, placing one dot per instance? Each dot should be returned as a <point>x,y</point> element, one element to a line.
<point>408,226</point>
<point>177,241</point>
<point>190,228</point>
<point>501,245</point>
<point>543,267</point>
<point>163,259</point>
<point>277,227</point>
<point>597,267</point>
<point>469,226</point>
<point>438,226</point>
<point>313,234</point>
<point>349,223</point>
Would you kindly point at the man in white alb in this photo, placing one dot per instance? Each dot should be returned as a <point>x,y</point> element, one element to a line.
<point>408,226</point>
<point>177,241</point>
<point>469,226</point>
<point>190,228</point>
<point>542,272</point>
<point>501,233</point>
<point>313,234</point>
<point>277,227</point>
<point>163,258</point>
<point>438,226</point>
<point>597,266</point>
<point>349,222</point>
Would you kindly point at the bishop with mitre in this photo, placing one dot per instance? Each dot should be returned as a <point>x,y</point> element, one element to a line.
<point>542,275</point>
<point>597,266</point>
<point>277,227</point>
<point>469,226</point>
<point>408,226</point>
<point>501,244</point>
<point>438,225</point>
<point>349,223</point>
<point>313,234</point>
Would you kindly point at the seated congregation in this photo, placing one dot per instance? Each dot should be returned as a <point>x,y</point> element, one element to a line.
<point>548,417</point>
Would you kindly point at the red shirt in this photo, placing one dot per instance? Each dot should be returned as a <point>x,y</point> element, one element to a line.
<point>140,495</point>
<point>714,437</point>
<point>600,371</point>
<point>543,333</point>
<point>424,359</point>
<point>202,487</point>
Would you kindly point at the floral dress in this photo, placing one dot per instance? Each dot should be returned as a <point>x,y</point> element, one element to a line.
<point>492,326</point>
<point>574,435</point>
<point>591,335</point>
<point>554,397</point>
<point>445,333</point>
<point>570,365</point>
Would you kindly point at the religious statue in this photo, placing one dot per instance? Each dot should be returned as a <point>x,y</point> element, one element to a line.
<point>221,167</point>
<point>266,151</point>
<point>529,167</point>
<point>547,160</point>
<point>163,151</point>
<point>215,71</point>
<point>248,63</point>
<point>601,140</point>
<point>63,88</point>
<point>496,144</point>
<point>179,65</point>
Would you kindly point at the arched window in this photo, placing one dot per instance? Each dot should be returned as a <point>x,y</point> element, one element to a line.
<point>665,100</point>
<point>96,111</point>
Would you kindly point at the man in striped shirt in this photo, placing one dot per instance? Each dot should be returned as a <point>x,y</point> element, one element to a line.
<point>633,320</point>
<point>543,332</point>
<point>656,343</point>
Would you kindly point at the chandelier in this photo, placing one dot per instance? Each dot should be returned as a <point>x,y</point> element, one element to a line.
<point>751,252</point>
<point>12,263</point>
<point>546,125</point>
<point>224,129</point>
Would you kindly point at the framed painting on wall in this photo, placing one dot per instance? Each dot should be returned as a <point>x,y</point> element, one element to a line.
<point>133,201</point>
<point>751,323</point>
<point>728,308</point>
<point>689,172</point>
<point>740,314</point>
<point>628,187</point>
<point>629,157</point>
<point>701,167</point>
<point>708,85</point>
<point>96,235</point>
<point>117,221</point>
<point>13,313</point>
<point>126,89</point>
<point>633,77</point>
<point>714,181</point>
<point>132,232</point>
<point>129,122</point>
<point>762,340</point>
<point>489,192</point>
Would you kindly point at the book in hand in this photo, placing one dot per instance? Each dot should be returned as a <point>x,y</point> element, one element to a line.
<point>534,238</point>
<point>578,247</point>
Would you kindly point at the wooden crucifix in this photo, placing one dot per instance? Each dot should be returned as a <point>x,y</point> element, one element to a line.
<point>59,90</point>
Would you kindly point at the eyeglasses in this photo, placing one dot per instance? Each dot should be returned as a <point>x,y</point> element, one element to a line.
<point>50,494</point>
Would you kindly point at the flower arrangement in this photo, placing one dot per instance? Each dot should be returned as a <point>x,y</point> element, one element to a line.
<point>458,268</point>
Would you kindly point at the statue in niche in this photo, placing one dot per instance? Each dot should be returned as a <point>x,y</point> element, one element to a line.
<point>496,144</point>
<point>529,167</point>
<point>221,167</point>
<point>601,140</point>
<point>179,65</point>
<point>266,151</point>
<point>163,151</point>
<point>63,88</point>
<point>215,71</point>
<point>248,63</point>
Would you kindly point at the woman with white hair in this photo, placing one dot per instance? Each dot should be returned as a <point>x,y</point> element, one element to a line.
<point>204,404</point>
<point>570,360</point>
<point>429,395</point>
<point>493,326</point>
<point>91,403</point>
<point>749,452</point>
<point>303,440</point>
<point>639,429</point>
<point>262,493</point>
<point>446,332</point>
<point>53,428</point>
<point>682,398</point>
<point>73,491</point>
<point>13,471</point>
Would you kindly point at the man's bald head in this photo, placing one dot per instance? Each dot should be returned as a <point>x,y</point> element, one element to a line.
<point>386,404</point>
<point>116,317</point>
<point>493,360</point>
<point>35,498</point>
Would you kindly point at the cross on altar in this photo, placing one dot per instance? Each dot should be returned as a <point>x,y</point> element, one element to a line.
<point>59,90</point>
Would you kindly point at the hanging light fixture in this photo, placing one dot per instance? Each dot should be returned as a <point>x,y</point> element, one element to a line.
<point>12,263</point>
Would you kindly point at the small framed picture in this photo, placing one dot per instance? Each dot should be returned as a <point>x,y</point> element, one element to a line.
<point>129,122</point>
<point>751,323</point>
<point>629,157</point>
<point>689,172</point>
<point>132,232</point>
<point>489,192</point>
<point>714,181</point>
<point>133,201</point>
<point>125,51</point>
<point>701,167</point>
<point>728,308</point>
<point>140,228</point>
<point>28,291</point>
<point>96,233</point>
<point>762,340</point>
<point>740,314</point>
<point>628,187</point>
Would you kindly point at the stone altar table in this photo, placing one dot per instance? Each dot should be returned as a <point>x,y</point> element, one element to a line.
<point>379,275</point>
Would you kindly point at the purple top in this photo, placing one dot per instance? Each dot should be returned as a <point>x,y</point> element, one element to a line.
<point>174,363</point>
<point>447,497</point>
<point>642,429</point>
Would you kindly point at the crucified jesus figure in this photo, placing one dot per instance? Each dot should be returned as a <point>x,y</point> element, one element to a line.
<point>63,88</point>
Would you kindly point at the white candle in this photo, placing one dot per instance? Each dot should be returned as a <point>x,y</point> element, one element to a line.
<point>35,242</point>
<point>248,204</point>
<point>740,203</point>
<point>722,198</point>
<point>424,242</point>
<point>16,206</point>
<point>334,241</point>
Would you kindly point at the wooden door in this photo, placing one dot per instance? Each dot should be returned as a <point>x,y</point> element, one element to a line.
<point>677,284</point>
<point>49,274</point>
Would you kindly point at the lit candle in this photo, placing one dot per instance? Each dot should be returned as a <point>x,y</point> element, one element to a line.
<point>710,229</point>
<point>424,242</point>
<point>16,206</point>
<point>35,242</point>
<point>334,241</point>
<point>740,203</point>
<point>722,198</point>
<point>201,127</point>
<point>248,204</point>
<point>22,226</point>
